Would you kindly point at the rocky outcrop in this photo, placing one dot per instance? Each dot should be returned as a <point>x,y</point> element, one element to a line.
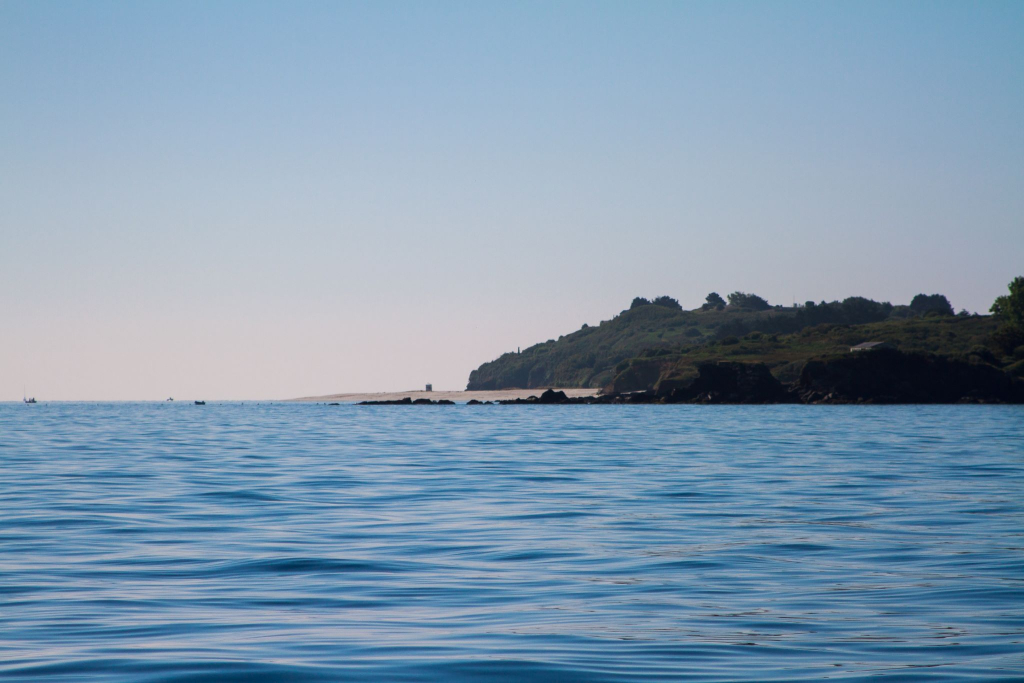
<point>726,382</point>
<point>559,398</point>
<point>891,376</point>
<point>407,401</point>
<point>552,396</point>
<point>549,397</point>
<point>395,402</point>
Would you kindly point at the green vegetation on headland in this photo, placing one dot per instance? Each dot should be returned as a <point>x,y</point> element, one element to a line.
<point>785,355</point>
<point>657,347</point>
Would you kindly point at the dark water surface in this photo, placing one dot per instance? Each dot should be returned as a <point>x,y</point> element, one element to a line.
<point>170,542</point>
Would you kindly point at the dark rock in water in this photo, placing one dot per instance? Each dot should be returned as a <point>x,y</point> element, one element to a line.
<point>407,401</point>
<point>529,400</point>
<point>552,396</point>
<point>334,404</point>
<point>891,376</point>
<point>727,382</point>
<point>473,402</point>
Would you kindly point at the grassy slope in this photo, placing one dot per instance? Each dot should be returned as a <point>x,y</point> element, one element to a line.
<point>587,357</point>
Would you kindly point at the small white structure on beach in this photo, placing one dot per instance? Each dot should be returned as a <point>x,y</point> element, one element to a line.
<point>430,387</point>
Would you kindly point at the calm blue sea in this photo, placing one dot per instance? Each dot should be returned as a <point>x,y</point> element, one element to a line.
<point>289,542</point>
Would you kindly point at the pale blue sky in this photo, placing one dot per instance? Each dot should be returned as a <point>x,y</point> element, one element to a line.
<point>264,200</point>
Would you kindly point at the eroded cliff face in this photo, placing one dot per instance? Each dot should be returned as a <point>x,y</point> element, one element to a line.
<point>738,383</point>
<point>641,374</point>
<point>727,382</point>
<point>891,376</point>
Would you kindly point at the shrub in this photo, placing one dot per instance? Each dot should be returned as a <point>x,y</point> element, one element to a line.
<point>1007,338</point>
<point>983,353</point>
<point>856,310</point>
<point>749,301</point>
<point>667,302</point>
<point>901,312</point>
<point>732,328</point>
<point>638,302</point>
<point>926,303</point>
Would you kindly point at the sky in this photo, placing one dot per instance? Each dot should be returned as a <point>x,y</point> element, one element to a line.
<point>255,200</point>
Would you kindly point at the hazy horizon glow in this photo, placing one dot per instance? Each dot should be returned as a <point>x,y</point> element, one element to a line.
<point>270,200</point>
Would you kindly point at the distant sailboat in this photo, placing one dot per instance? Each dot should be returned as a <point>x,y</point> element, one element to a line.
<point>25,398</point>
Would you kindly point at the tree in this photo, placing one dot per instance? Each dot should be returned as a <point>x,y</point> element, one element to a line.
<point>925,303</point>
<point>857,310</point>
<point>1010,307</point>
<point>749,301</point>
<point>667,302</point>
<point>638,302</point>
<point>715,300</point>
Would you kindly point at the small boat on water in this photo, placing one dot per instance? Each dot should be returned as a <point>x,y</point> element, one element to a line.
<point>200,403</point>
<point>29,400</point>
<point>171,398</point>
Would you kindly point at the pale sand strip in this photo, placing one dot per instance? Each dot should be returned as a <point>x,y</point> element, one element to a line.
<point>457,396</point>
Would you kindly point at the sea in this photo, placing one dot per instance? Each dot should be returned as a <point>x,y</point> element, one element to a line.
<point>303,542</point>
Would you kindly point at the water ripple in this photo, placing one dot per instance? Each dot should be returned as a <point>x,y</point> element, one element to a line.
<point>167,542</point>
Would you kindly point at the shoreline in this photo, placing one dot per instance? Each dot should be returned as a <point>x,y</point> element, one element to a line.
<point>457,396</point>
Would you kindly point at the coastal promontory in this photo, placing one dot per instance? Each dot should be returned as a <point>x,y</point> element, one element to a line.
<point>849,351</point>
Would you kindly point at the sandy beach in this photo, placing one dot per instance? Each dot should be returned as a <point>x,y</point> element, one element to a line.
<point>457,396</point>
